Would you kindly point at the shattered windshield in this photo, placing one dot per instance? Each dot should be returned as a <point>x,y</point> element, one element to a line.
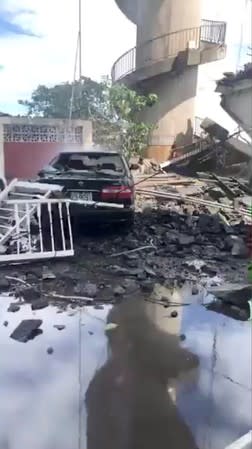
<point>111,164</point>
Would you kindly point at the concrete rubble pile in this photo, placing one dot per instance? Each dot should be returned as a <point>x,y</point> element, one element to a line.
<point>200,237</point>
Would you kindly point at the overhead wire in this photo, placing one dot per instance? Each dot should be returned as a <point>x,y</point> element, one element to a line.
<point>74,79</point>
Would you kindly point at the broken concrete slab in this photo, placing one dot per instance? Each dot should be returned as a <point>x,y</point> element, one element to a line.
<point>147,286</point>
<point>149,271</point>
<point>59,327</point>
<point>132,263</point>
<point>239,248</point>
<point>119,290</point>
<point>186,240</point>
<point>4,284</point>
<point>195,290</point>
<point>29,294</point>
<point>47,275</point>
<point>13,308</point>
<point>39,304</point>
<point>126,272</point>
<point>130,285</point>
<point>26,330</point>
<point>234,312</point>
<point>216,193</point>
<point>210,270</point>
<point>195,264</point>
<point>237,294</point>
<point>90,290</point>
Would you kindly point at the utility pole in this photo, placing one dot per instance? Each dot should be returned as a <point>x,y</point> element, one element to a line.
<point>80,39</point>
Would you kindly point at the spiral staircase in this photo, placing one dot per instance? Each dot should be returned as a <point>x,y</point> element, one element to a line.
<point>166,63</point>
<point>198,45</point>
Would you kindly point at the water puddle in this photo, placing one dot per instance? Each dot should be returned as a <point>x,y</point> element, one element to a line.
<point>152,381</point>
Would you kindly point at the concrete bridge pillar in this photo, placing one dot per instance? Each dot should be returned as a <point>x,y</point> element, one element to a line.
<point>173,116</point>
<point>170,47</point>
<point>159,17</point>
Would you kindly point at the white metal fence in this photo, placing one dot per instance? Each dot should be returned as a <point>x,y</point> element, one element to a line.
<point>41,229</point>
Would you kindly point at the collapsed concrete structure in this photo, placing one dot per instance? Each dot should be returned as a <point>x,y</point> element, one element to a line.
<point>172,42</point>
<point>236,100</point>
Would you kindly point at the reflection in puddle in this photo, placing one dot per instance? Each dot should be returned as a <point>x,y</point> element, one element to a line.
<point>39,404</point>
<point>127,400</point>
<point>140,385</point>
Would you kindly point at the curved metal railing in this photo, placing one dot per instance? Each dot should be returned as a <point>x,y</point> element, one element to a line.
<point>167,46</point>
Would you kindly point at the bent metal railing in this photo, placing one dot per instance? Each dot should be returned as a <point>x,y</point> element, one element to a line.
<point>167,46</point>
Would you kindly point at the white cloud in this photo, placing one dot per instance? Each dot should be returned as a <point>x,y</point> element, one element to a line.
<point>50,59</point>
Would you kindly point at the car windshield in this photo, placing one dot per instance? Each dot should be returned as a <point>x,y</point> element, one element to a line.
<point>94,163</point>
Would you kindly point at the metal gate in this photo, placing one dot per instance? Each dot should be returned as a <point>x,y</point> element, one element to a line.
<point>41,229</point>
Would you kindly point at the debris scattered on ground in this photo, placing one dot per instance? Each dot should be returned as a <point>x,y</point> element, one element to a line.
<point>90,290</point>
<point>4,284</point>
<point>195,290</point>
<point>110,327</point>
<point>202,241</point>
<point>13,308</point>
<point>39,304</point>
<point>124,253</point>
<point>72,299</point>
<point>29,294</point>
<point>26,330</point>
<point>47,275</point>
<point>59,327</point>
<point>239,248</point>
<point>119,291</point>
<point>236,294</point>
<point>232,300</point>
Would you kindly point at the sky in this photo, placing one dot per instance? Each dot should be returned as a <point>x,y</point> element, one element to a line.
<point>38,41</point>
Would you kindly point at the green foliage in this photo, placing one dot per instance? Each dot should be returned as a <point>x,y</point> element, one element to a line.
<point>114,110</point>
<point>127,105</point>
<point>55,102</point>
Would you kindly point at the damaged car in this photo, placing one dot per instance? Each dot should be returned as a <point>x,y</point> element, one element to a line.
<point>91,178</point>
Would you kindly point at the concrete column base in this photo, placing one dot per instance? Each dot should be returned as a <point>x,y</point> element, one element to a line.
<point>160,153</point>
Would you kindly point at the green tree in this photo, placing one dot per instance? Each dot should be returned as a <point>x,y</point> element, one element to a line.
<point>127,106</point>
<point>114,110</point>
<point>56,102</point>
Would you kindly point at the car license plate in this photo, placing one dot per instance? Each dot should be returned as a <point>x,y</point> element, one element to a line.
<point>81,196</point>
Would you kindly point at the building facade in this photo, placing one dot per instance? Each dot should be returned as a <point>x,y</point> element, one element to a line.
<point>27,145</point>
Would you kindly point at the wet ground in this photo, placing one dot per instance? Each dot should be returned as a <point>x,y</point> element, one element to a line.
<point>151,382</point>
